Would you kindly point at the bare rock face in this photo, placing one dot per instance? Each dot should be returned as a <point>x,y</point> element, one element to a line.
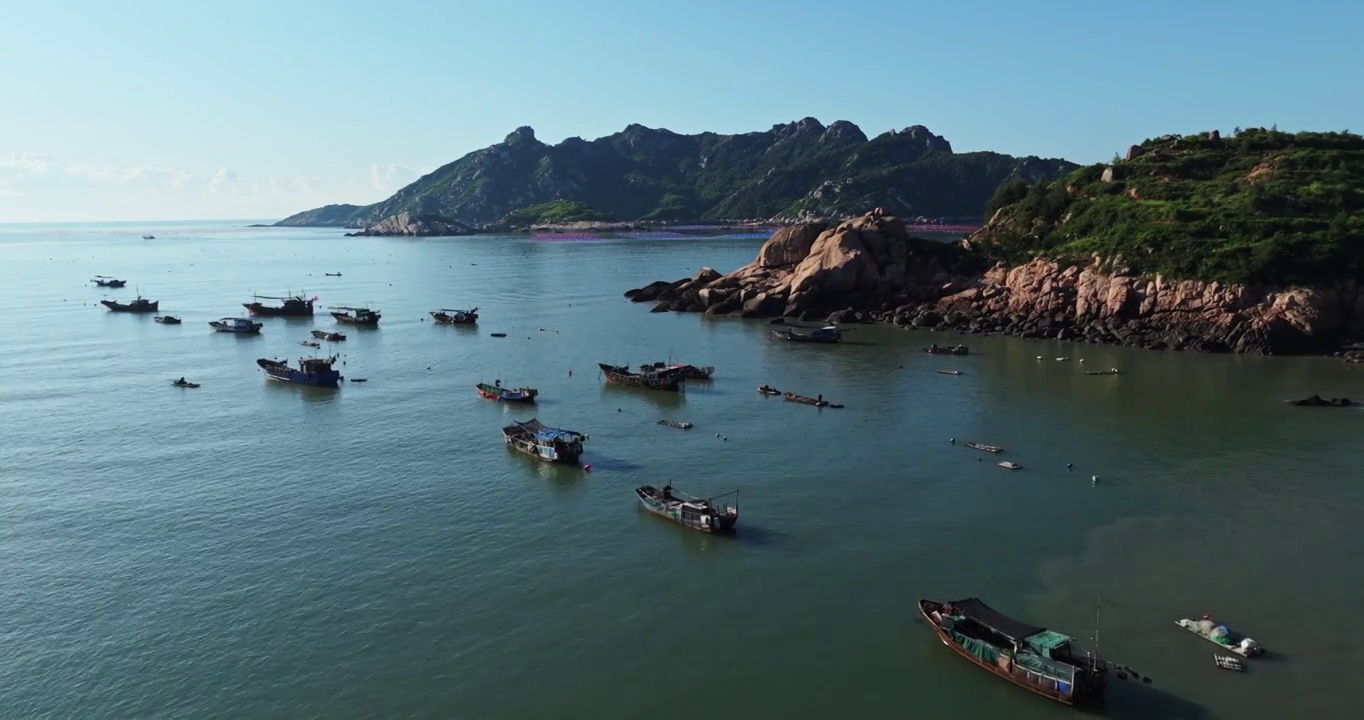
<point>409,224</point>
<point>869,269</point>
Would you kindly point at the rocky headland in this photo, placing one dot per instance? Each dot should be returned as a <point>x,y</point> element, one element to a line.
<point>413,225</point>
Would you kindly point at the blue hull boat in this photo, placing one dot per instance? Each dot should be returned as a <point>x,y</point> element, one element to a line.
<point>317,372</point>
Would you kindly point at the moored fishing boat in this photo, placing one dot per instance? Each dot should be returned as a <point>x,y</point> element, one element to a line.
<point>1041,660</point>
<point>446,316</point>
<point>1218,634</point>
<point>183,383</point>
<point>818,402</point>
<point>495,391</point>
<point>768,390</point>
<point>106,281</point>
<point>670,380</point>
<point>290,306</point>
<point>167,319</point>
<point>1110,371</point>
<point>985,448</point>
<point>827,335</point>
<point>240,326</point>
<point>688,372</point>
<point>949,372</point>
<point>693,512</point>
<point>140,305</point>
<point>936,349</point>
<point>538,440</point>
<point>329,336</point>
<point>679,424</point>
<point>355,315</point>
<point>314,371</point>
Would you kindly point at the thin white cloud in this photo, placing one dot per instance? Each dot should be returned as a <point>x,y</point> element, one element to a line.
<point>54,191</point>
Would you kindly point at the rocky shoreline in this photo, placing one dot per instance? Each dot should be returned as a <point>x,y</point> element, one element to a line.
<point>868,269</point>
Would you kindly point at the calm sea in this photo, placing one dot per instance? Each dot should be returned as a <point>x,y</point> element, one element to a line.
<point>257,550</point>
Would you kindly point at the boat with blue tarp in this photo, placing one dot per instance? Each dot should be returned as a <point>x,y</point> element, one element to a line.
<point>537,439</point>
<point>1041,660</point>
<point>314,371</point>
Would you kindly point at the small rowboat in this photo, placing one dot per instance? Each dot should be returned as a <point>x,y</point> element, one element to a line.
<point>1224,638</point>
<point>167,319</point>
<point>1010,465</point>
<point>768,390</point>
<point>183,384</point>
<point>949,372</point>
<point>985,448</point>
<point>679,424</point>
<point>329,336</point>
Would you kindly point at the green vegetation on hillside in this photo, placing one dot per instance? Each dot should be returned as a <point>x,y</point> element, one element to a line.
<point>557,212</point>
<point>1260,206</point>
<point>796,169</point>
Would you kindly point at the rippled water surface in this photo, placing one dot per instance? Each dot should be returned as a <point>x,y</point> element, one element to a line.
<point>250,549</point>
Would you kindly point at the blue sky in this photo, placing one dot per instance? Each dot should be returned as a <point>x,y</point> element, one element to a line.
<point>246,109</point>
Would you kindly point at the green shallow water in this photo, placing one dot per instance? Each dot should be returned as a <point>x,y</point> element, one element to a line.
<point>250,549</point>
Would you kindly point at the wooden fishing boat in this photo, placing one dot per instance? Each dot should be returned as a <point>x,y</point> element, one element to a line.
<point>167,319</point>
<point>183,383</point>
<point>332,274</point>
<point>936,349</point>
<point>455,317</point>
<point>240,326</point>
<point>106,281</point>
<point>693,512</point>
<point>1111,371</point>
<point>314,371</point>
<point>669,380</point>
<point>768,390</point>
<point>513,395</point>
<point>538,440</point>
<point>310,343</point>
<point>825,335</point>
<point>818,402</point>
<point>329,336</point>
<point>679,424</point>
<point>1220,635</point>
<point>688,372</point>
<point>148,237</point>
<point>1035,658</point>
<point>289,306</point>
<point>985,448</point>
<point>355,315</point>
<point>140,305</point>
<point>949,372</point>
<point>498,334</point>
<point>1010,465</point>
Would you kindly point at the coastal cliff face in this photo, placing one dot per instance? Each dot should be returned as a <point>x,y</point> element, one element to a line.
<point>868,269</point>
<point>412,225</point>
<point>794,170</point>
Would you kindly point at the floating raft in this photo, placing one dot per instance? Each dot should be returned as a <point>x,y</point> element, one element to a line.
<point>813,402</point>
<point>1227,662</point>
<point>985,448</point>
<point>680,425</point>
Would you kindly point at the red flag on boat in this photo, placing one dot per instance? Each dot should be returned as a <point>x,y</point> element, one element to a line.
<point>314,299</point>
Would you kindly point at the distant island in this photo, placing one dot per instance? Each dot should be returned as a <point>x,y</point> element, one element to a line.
<point>796,172</point>
<point>1249,243</point>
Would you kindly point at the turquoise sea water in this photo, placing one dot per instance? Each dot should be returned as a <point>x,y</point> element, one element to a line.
<point>251,549</point>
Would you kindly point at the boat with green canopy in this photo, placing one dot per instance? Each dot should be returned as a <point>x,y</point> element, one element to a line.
<point>1041,660</point>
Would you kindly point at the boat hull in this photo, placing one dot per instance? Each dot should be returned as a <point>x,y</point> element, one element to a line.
<point>1073,699</point>
<point>789,336</point>
<point>666,381</point>
<point>284,373</point>
<point>130,308</point>
<point>459,319</point>
<point>260,310</point>
<point>720,524</point>
<point>518,395</point>
<point>367,321</point>
<point>253,329</point>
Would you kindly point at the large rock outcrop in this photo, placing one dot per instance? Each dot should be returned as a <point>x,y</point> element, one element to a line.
<point>412,225</point>
<point>869,269</point>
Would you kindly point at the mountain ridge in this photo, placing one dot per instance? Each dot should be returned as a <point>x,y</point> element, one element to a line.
<point>791,172</point>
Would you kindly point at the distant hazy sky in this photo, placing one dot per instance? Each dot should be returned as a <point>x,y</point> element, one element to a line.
<point>244,109</point>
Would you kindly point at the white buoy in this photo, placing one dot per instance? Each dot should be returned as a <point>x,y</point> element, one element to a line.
<point>1094,479</point>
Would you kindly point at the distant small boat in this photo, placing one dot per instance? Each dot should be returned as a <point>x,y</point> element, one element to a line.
<point>669,380</point>
<point>818,402</point>
<point>768,390</point>
<point>501,394</point>
<point>310,343</point>
<point>184,383</point>
<point>936,349</point>
<point>984,447</point>
<point>106,281</point>
<point>690,372</point>
<point>167,319</point>
<point>140,305</point>
<point>679,424</point>
<point>455,317</point>
<point>1111,371</point>
<point>498,334</point>
<point>333,274</point>
<point>290,306</point>
<point>329,336</point>
<point>949,372</point>
<point>355,315</point>
<point>693,512</point>
<point>1223,637</point>
<point>240,326</point>
<point>317,372</point>
<point>1010,465</point>
<point>825,335</point>
<point>148,237</point>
